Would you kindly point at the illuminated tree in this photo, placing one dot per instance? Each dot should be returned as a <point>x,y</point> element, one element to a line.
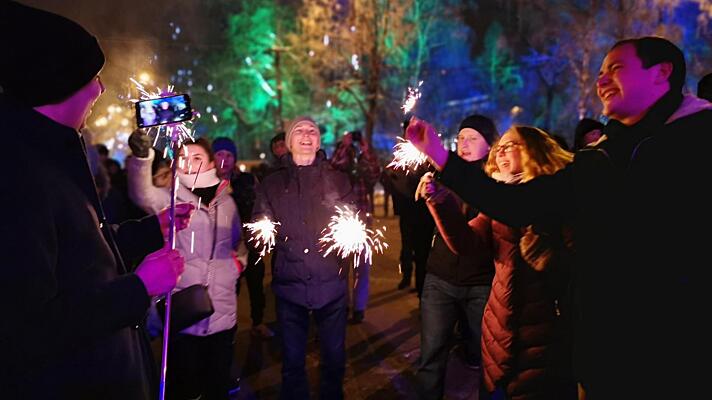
<point>345,49</point>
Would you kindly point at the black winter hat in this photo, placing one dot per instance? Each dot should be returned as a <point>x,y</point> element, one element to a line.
<point>587,125</point>
<point>481,124</point>
<point>224,143</point>
<point>45,57</point>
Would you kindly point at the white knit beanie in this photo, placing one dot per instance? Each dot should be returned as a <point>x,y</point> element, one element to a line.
<point>293,125</point>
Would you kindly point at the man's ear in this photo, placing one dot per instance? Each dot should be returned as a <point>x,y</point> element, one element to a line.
<point>664,70</point>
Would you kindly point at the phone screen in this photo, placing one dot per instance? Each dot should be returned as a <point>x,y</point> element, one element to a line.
<point>163,110</point>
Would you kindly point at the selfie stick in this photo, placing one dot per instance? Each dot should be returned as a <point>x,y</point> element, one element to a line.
<point>171,240</point>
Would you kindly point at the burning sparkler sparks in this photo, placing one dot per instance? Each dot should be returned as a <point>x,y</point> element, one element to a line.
<point>262,232</point>
<point>348,236</point>
<point>181,130</point>
<point>412,99</point>
<point>406,156</point>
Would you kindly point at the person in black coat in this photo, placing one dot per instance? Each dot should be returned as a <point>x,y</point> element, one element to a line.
<point>414,222</point>
<point>72,312</point>
<point>456,287</point>
<point>704,87</point>
<point>243,185</point>
<point>638,284</point>
<point>302,196</point>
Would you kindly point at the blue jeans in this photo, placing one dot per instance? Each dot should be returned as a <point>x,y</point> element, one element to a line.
<point>331,323</point>
<point>440,305</point>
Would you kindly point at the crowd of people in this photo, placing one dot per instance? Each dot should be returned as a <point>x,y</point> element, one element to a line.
<point>568,274</point>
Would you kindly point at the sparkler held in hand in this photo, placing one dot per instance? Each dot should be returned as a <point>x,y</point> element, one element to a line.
<point>405,155</point>
<point>348,236</point>
<point>262,233</point>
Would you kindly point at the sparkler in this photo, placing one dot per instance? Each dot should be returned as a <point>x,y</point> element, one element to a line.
<point>412,99</point>
<point>348,236</point>
<point>406,156</point>
<point>262,232</point>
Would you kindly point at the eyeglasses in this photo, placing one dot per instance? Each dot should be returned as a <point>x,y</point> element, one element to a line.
<point>506,147</point>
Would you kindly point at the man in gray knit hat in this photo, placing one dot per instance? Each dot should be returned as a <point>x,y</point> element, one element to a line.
<point>302,196</point>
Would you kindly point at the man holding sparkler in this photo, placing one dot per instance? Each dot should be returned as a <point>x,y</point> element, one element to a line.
<point>72,312</point>
<point>302,196</point>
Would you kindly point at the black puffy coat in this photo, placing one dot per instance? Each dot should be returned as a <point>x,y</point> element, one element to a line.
<point>303,199</point>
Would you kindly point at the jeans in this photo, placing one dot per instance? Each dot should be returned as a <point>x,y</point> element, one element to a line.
<point>439,308</point>
<point>331,323</point>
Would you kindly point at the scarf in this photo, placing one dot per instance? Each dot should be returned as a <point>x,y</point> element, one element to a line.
<point>201,180</point>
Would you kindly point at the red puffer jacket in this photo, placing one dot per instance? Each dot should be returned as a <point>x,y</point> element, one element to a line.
<point>525,328</point>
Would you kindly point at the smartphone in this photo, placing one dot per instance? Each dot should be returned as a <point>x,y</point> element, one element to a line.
<point>163,110</point>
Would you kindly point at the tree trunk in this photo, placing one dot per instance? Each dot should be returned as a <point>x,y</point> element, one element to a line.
<point>372,91</point>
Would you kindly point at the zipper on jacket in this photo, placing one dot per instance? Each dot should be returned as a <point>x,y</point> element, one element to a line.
<point>215,233</point>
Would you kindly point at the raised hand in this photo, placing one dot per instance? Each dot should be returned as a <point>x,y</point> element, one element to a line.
<point>425,138</point>
<point>426,186</point>
<point>140,143</point>
<point>183,213</point>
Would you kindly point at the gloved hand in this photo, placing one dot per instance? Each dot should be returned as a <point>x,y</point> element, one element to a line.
<point>425,138</point>
<point>140,143</point>
<point>183,213</point>
<point>429,189</point>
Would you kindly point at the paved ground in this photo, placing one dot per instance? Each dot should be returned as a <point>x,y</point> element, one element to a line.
<point>382,352</point>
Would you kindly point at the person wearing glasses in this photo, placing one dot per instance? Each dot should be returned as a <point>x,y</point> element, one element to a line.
<point>526,335</point>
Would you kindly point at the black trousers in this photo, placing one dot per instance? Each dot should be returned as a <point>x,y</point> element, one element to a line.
<point>416,232</point>
<point>200,366</point>
<point>254,274</point>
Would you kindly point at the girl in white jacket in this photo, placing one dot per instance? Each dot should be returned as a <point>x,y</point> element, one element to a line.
<point>200,356</point>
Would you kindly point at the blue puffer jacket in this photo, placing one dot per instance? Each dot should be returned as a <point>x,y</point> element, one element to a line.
<point>303,199</point>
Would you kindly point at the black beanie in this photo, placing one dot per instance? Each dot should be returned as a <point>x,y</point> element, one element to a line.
<point>224,143</point>
<point>587,125</point>
<point>481,124</point>
<point>45,57</point>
